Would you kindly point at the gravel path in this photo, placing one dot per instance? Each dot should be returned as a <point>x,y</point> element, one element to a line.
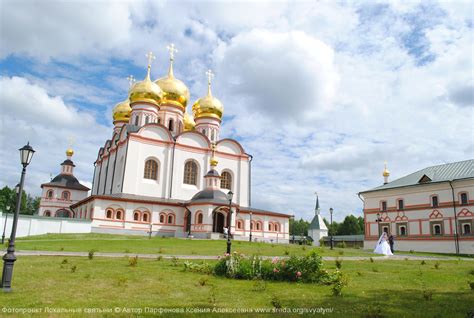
<point>396,257</point>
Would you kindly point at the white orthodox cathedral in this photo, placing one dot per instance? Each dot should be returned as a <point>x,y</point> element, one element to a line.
<point>166,172</point>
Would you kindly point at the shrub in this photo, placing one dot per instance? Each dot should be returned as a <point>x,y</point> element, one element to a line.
<point>61,248</point>
<point>412,251</point>
<point>436,265</point>
<point>359,273</point>
<point>276,302</point>
<point>471,272</point>
<point>287,252</point>
<point>371,260</point>
<point>303,248</point>
<point>338,263</point>
<point>159,258</point>
<point>121,281</point>
<point>340,281</point>
<point>160,250</point>
<point>91,254</point>
<point>204,267</point>
<point>127,251</point>
<point>203,281</point>
<point>471,284</point>
<point>341,244</point>
<point>423,262</point>
<point>64,261</point>
<point>73,269</point>
<point>174,261</point>
<point>133,261</point>
<point>427,294</point>
<point>341,252</point>
<point>321,242</point>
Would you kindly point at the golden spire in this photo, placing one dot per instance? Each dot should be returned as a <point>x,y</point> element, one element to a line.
<point>386,173</point>
<point>213,160</point>
<point>171,48</point>
<point>210,75</point>
<point>150,57</point>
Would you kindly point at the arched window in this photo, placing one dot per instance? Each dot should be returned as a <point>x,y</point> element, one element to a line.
<point>240,224</point>
<point>466,229</point>
<point>259,226</point>
<point>162,218</point>
<point>276,227</point>
<point>171,125</point>
<point>213,134</point>
<point>252,225</point>
<point>190,173</point>
<point>226,180</point>
<point>136,216</point>
<point>109,213</point>
<point>159,120</point>
<point>203,131</point>
<point>170,218</point>
<point>146,217</point>
<point>383,205</point>
<point>434,201</point>
<point>180,127</point>
<point>401,204</point>
<point>65,195</point>
<point>147,119</point>
<point>270,227</point>
<point>119,215</point>
<point>151,170</point>
<point>136,120</point>
<point>403,231</point>
<point>50,194</point>
<point>199,218</point>
<point>437,229</point>
<point>47,213</point>
<point>464,199</point>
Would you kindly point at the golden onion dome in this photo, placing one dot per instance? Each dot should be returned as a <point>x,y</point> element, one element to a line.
<point>386,173</point>
<point>146,90</point>
<point>189,123</point>
<point>208,106</point>
<point>69,152</point>
<point>175,92</point>
<point>122,111</point>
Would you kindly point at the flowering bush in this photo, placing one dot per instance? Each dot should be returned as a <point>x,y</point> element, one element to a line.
<point>296,268</point>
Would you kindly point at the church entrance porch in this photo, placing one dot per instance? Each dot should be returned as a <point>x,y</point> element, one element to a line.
<point>218,222</point>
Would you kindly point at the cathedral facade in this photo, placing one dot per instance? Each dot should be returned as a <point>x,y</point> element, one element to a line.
<point>167,172</point>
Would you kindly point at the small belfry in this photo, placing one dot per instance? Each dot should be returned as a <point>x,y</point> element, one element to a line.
<point>317,228</point>
<point>385,173</point>
<point>208,112</point>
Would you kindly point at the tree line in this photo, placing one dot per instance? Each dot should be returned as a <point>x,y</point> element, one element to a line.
<point>29,204</point>
<point>351,225</point>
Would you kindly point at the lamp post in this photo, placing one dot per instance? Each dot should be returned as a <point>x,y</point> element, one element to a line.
<point>250,238</point>
<point>331,210</point>
<point>230,195</point>
<point>26,153</point>
<point>7,210</point>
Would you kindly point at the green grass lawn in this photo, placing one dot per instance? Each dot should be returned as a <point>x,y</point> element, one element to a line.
<point>376,289</point>
<point>174,246</point>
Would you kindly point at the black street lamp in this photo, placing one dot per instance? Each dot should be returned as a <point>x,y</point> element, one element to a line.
<point>250,238</point>
<point>26,153</point>
<point>230,195</point>
<point>331,210</point>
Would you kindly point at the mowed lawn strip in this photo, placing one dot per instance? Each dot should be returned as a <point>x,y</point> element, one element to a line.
<point>169,246</point>
<point>388,289</point>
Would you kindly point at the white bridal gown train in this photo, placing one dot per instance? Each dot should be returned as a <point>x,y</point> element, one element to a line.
<point>382,246</point>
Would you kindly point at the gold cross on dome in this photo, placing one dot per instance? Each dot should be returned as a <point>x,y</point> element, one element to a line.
<point>210,75</point>
<point>131,80</point>
<point>150,57</point>
<point>71,141</point>
<point>172,49</point>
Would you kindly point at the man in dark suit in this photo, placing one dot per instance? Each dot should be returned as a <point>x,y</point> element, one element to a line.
<point>391,242</point>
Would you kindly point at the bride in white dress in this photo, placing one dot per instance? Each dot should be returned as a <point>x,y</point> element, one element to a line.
<point>382,246</point>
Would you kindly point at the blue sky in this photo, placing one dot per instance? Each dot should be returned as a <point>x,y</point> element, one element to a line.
<point>320,93</point>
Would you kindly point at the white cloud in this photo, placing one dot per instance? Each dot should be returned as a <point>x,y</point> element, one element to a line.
<point>287,75</point>
<point>29,113</point>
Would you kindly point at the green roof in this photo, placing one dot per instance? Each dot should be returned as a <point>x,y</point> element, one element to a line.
<point>315,223</point>
<point>441,173</point>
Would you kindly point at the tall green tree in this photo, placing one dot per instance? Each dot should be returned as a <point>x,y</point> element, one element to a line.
<point>29,204</point>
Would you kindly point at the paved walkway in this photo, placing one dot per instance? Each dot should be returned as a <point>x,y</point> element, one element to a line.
<point>398,257</point>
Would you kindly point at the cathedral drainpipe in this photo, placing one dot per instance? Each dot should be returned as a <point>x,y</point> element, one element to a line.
<point>456,236</point>
<point>250,179</point>
<point>172,168</point>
